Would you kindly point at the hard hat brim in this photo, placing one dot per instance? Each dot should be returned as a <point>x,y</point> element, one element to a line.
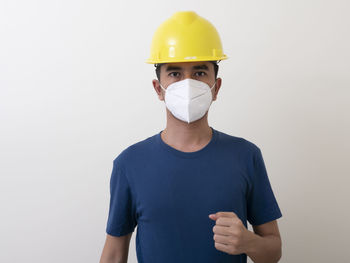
<point>153,61</point>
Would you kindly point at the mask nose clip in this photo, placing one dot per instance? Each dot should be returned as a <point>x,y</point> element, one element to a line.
<point>170,84</point>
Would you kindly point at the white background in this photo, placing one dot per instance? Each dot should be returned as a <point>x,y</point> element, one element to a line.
<point>75,91</point>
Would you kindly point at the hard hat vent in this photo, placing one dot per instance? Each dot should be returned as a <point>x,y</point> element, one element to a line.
<point>185,17</point>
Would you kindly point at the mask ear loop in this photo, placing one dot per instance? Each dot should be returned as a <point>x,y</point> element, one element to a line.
<point>162,87</point>
<point>164,91</point>
<point>211,89</point>
<point>213,85</point>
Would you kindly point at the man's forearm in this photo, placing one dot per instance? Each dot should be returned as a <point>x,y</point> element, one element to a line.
<point>265,249</point>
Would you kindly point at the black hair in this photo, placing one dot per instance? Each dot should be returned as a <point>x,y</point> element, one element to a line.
<point>215,63</point>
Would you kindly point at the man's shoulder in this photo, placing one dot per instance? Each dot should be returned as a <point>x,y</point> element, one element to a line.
<point>136,150</point>
<point>237,142</point>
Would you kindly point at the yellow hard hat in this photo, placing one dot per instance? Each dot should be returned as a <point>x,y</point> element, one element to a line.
<point>186,37</point>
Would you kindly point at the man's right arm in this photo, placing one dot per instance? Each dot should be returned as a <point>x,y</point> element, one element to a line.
<point>116,249</point>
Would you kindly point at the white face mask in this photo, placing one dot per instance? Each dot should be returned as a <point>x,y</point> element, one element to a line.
<point>188,99</point>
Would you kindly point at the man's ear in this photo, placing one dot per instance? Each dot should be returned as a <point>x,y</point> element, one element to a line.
<point>217,87</point>
<point>158,89</point>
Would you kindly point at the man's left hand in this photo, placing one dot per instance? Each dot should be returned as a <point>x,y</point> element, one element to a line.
<point>230,235</point>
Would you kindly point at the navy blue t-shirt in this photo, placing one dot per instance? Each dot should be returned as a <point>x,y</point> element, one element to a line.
<point>168,194</point>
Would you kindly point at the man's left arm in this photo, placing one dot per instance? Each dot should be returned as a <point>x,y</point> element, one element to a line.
<point>264,245</point>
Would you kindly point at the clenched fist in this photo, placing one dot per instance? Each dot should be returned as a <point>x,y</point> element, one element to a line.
<point>230,235</point>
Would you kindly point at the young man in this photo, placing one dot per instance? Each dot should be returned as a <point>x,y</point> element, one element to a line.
<point>190,188</point>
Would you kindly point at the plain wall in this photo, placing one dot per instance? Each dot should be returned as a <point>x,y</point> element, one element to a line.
<point>75,91</point>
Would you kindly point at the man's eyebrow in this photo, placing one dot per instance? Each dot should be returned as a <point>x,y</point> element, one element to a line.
<point>205,67</point>
<point>170,68</point>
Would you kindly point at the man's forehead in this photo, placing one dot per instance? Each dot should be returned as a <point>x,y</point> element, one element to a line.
<point>204,65</point>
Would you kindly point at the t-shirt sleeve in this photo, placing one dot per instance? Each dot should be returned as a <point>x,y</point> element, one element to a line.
<point>122,215</point>
<point>262,206</point>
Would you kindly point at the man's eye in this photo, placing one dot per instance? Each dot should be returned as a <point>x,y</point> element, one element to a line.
<point>201,72</point>
<point>171,74</point>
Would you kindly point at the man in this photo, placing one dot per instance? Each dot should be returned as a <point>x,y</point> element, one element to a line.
<point>190,188</point>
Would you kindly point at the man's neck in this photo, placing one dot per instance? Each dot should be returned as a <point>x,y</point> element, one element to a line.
<point>187,137</point>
